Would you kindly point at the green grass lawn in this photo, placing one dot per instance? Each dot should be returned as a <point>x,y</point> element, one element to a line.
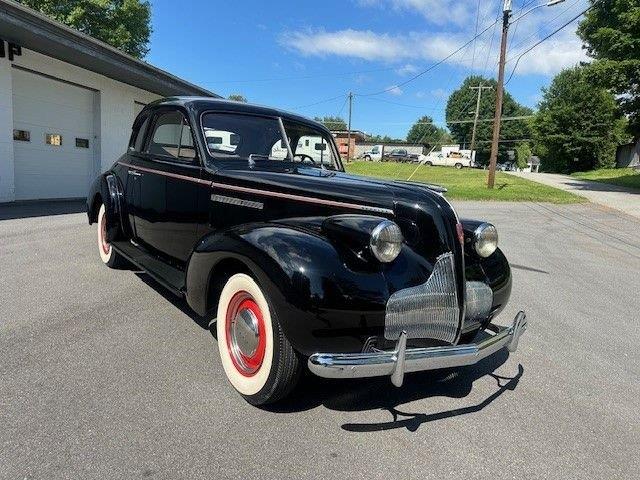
<point>625,177</point>
<point>467,183</point>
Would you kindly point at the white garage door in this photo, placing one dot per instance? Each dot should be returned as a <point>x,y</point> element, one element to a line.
<point>54,144</point>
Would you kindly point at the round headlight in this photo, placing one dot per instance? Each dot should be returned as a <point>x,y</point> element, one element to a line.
<point>485,239</point>
<point>386,241</point>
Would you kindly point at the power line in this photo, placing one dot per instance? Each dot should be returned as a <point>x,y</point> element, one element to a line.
<point>473,57</point>
<point>342,107</point>
<point>548,23</point>
<point>566,24</point>
<point>317,103</point>
<point>456,122</point>
<point>431,67</point>
<point>400,104</point>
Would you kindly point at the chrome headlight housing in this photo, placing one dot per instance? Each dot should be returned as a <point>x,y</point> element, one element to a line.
<point>485,239</point>
<point>386,241</point>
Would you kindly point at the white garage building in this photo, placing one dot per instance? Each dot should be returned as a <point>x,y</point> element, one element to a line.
<point>67,102</point>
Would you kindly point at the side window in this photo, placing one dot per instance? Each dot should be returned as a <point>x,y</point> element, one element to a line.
<point>172,137</point>
<point>137,139</point>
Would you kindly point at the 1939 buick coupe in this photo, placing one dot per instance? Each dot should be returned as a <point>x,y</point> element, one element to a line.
<point>248,214</point>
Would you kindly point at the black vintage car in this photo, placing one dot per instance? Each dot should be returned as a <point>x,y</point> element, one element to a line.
<point>247,213</point>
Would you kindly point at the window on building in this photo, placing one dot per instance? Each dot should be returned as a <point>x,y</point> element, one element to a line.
<point>82,142</point>
<point>21,135</point>
<point>54,139</point>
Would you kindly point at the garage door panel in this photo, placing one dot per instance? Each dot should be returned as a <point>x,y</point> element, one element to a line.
<point>43,105</point>
<point>48,90</point>
<point>52,115</point>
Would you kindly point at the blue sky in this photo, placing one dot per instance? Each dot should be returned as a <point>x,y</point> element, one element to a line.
<point>306,56</point>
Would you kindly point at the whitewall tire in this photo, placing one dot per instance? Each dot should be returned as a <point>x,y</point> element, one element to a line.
<point>258,360</point>
<point>108,256</point>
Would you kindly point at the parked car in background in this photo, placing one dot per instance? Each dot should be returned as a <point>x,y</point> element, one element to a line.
<point>397,155</point>
<point>451,159</point>
<point>300,264</point>
<point>506,167</point>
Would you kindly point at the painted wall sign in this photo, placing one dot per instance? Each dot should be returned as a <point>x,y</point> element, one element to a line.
<point>9,49</point>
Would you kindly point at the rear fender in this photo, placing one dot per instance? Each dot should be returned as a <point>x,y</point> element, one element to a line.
<point>106,189</point>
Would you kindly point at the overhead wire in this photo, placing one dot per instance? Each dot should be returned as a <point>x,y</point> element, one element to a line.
<point>431,67</point>
<point>545,38</point>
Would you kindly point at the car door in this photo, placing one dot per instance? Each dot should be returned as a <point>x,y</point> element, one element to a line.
<point>168,175</point>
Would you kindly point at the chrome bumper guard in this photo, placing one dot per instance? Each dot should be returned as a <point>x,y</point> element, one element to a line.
<point>402,360</point>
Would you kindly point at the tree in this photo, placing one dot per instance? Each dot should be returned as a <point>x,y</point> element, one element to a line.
<point>611,31</point>
<point>461,107</point>
<point>578,124</point>
<point>124,24</point>
<point>332,123</point>
<point>523,154</point>
<point>426,133</point>
<point>383,139</point>
<point>236,97</point>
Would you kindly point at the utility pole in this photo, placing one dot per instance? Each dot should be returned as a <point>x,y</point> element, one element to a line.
<point>480,87</point>
<point>349,128</point>
<point>506,15</point>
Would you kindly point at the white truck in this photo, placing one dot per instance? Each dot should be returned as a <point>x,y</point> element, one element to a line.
<point>373,154</point>
<point>449,156</point>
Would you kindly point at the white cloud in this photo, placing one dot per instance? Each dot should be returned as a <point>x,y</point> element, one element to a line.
<point>548,58</point>
<point>437,12</point>
<point>394,90</point>
<point>561,51</point>
<point>440,93</point>
<point>407,69</point>
<point>420,94</point>
<point>363,44</point>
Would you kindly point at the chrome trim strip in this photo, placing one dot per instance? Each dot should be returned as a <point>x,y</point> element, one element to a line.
<point>237,201</point>
<point>166,174</point>
<point>376,364</point>
<point>289,196</point>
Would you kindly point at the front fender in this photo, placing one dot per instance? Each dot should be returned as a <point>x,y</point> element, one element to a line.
<point>320,301</point>
<point>493,270</point>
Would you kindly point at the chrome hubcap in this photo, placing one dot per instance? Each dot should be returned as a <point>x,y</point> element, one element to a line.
<point>244,333</point>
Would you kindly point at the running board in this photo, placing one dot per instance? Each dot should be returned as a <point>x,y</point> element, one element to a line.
<point>169,277</point>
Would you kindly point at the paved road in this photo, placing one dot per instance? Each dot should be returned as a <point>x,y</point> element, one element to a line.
<point>103,376</point>
<point>624,199</point>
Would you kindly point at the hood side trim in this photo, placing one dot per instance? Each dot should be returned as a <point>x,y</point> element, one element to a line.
<point>267,193</point>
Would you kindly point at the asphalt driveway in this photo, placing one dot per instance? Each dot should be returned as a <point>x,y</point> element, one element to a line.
<point>104,375</point>
<point>624,199</point>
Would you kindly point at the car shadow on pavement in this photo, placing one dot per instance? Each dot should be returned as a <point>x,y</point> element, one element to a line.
<point>10,211</point>
<point>380,394</point>
<point>179,303</point>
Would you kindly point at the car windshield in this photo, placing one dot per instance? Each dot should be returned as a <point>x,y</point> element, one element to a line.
<point>252,138</point>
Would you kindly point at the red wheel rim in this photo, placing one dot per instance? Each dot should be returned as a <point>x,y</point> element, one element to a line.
<point>103,235</point>
<point>245,334</point>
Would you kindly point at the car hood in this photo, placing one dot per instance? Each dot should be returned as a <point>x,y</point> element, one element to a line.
<point>337,186</point>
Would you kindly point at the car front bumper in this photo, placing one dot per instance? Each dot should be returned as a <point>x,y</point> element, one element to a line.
<point>402,360</point>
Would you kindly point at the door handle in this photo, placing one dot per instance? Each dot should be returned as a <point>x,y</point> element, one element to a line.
<point>135,173</point>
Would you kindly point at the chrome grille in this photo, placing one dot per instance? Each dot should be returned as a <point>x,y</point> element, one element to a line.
<point>479,299</point>
<point>430,310</point>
